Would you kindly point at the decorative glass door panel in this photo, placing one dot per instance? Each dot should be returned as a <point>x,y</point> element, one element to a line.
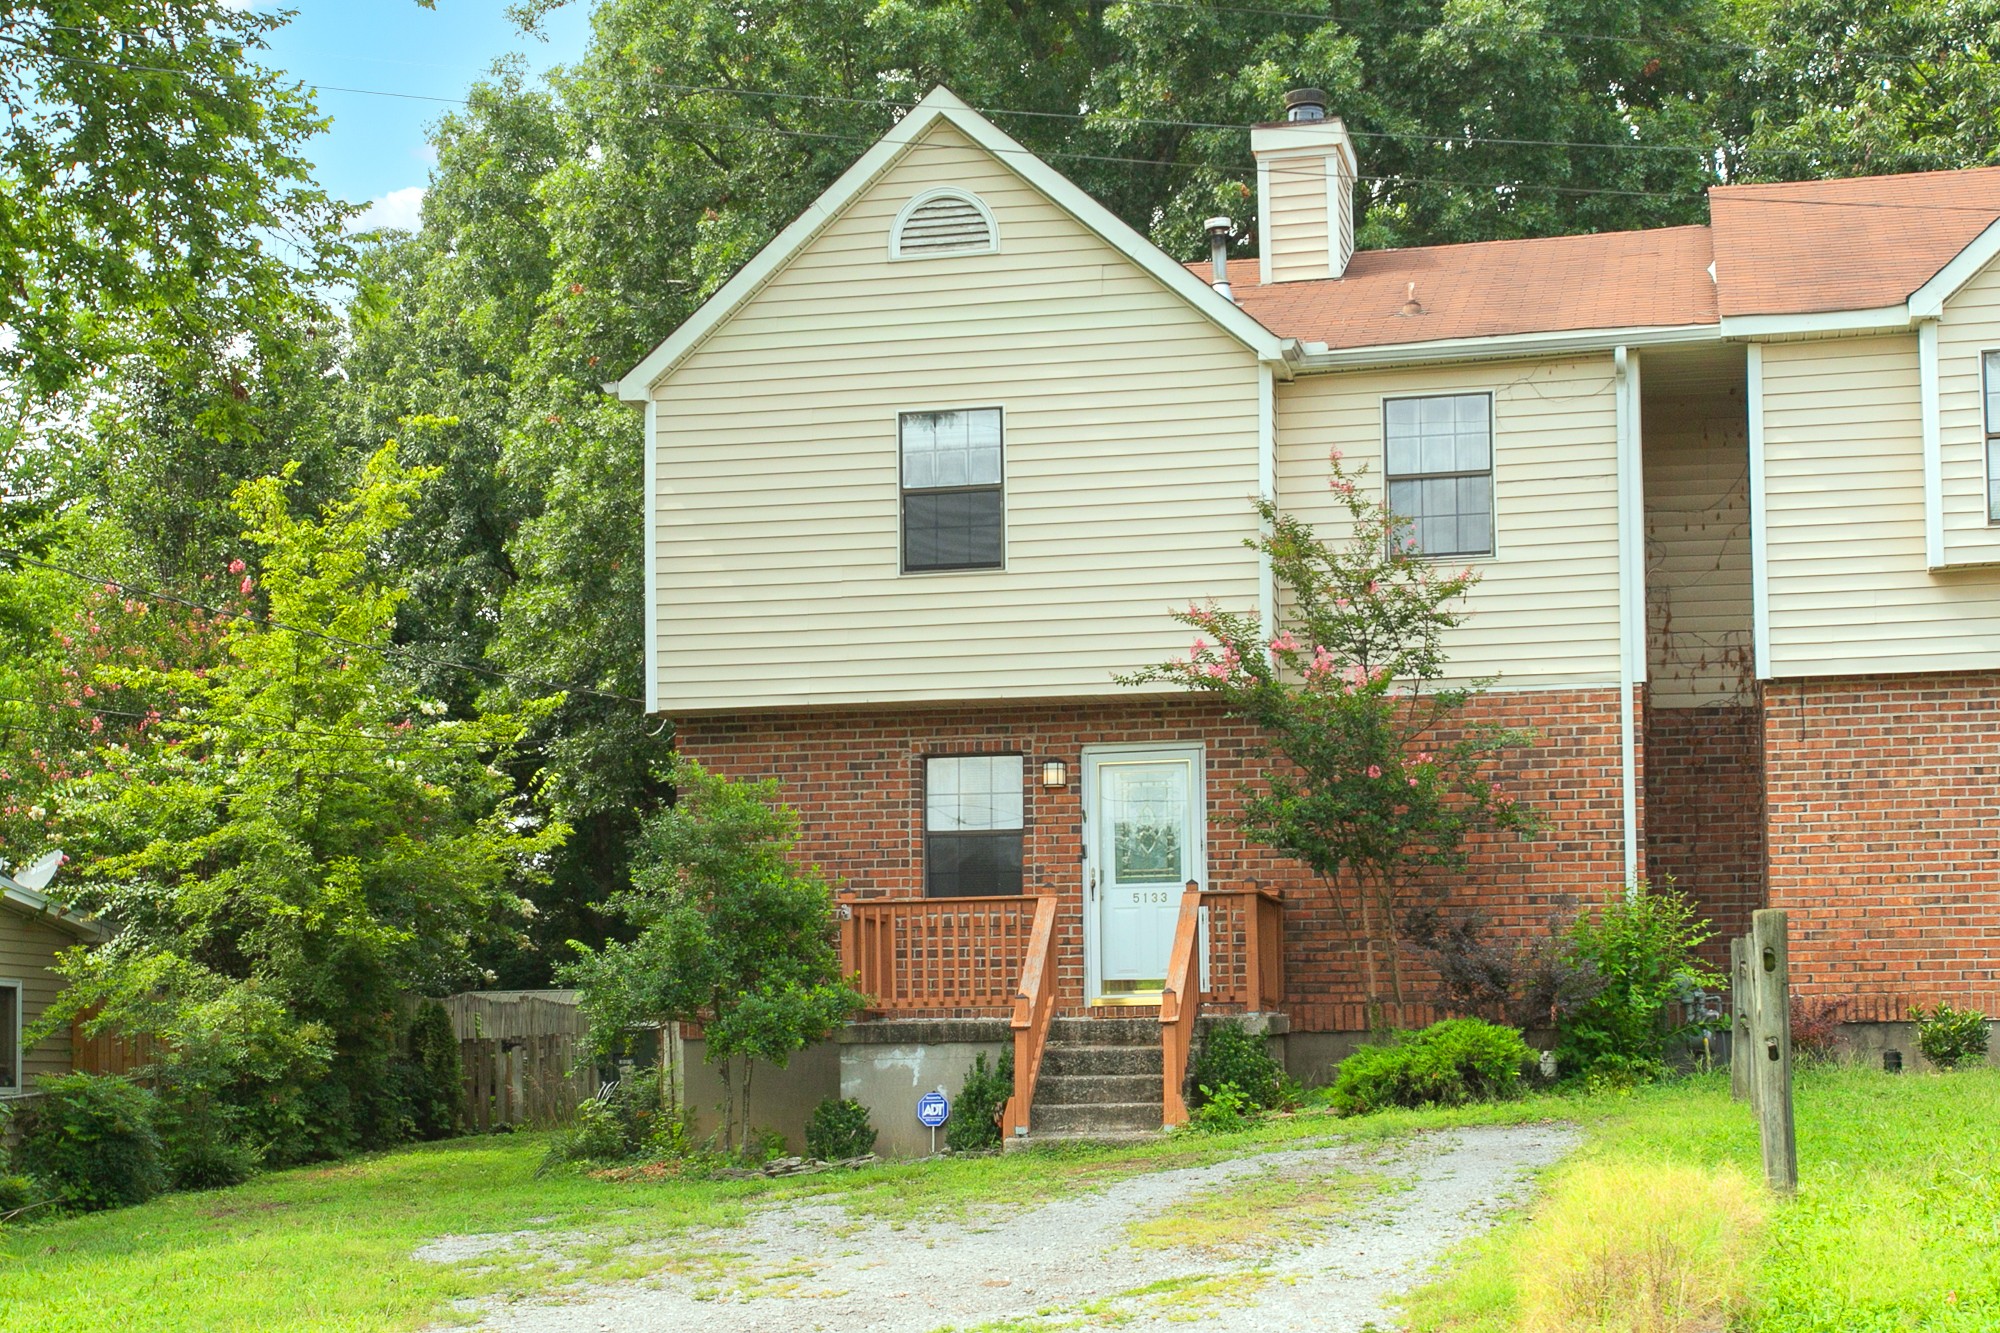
<point>1145,833</point>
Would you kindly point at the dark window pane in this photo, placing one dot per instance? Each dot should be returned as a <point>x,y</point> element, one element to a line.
<point>10,1054</point>
<point>972,865</point>
<point>953,530</point>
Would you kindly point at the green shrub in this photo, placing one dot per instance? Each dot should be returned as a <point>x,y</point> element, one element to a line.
<point>1948,1036</point>
<point>89,1142</point>
<point>16,1193</point>
<point>1223,1109</point>
<point>1446,1064</point>
<point>199,1147</point>
<point>1233,1056</point>
<point>625,1121</point>
<point>839,1130</point>
<point>428,1076</point>
<point>975,1118</point>
<point>1640,946</point>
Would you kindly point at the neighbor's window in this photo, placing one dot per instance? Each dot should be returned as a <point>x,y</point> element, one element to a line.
<point>1440,470</point>
<point>1993,437</point>
<point>972,825</point>
<point>10,1036</point>
<point>954,511</point>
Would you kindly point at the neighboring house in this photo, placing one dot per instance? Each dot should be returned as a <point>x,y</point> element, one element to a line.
<point>33,931</point>
<point>930,470</point>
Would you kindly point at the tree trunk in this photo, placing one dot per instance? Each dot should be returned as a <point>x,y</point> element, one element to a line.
<point>749,1068</point>
<point>1394,946</point>
<point>1371,983</point>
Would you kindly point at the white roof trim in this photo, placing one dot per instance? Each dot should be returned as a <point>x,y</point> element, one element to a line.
<point>1927,302</point>
<point>29,903</point>
<point>1882,319</point>
<point>1319,356</point>
<point>636,385</point>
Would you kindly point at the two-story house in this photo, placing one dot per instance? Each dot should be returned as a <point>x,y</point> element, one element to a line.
<point>929,472</point>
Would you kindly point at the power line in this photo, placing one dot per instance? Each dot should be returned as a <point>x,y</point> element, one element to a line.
<point>410,654</point>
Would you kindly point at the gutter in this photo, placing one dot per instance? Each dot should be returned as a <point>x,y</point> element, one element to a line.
<point>1320,356</point>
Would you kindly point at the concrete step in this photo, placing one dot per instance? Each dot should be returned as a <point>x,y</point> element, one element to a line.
<point>1099,1118</point>
<point>1105,1032</point>
<point>1063,1060</point>
<point>1095,1089</point>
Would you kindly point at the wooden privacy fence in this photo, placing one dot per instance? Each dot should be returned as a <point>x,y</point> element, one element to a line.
<point>525,1056</point>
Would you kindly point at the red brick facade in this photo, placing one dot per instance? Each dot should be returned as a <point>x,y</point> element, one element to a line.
<point>1883,800</point>
<point>1705,812</point>
<point>855,776</point>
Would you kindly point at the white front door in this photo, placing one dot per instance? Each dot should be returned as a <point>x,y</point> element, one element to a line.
<point>1145,816</point>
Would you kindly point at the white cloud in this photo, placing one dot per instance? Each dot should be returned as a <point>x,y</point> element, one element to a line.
<point>402,209</point>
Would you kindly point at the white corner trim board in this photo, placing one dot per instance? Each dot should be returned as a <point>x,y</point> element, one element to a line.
<point>1267,488</point>
<point>1631,593</point>
<point>1927,398</point>
<point>649,619</point>
<point>942,105</point>
<point>1760,560</point>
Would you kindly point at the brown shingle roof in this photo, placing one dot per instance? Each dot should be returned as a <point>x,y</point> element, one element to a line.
<point>1606,281</point>
<point>1844,244</point>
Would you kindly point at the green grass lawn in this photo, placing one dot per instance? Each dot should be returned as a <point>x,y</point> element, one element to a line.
<point>1897,1224</point>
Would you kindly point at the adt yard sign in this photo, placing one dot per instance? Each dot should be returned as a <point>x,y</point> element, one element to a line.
<point>933,1110</point>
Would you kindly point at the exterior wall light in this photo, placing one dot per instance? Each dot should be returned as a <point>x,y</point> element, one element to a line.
<point>1055,774</point>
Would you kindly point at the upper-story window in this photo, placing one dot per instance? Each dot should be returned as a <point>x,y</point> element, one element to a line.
<point>1993,437</point>
<point>1439,453</point>
<point>954,505</point>
<point>943,222</point>
<point>972,825</point>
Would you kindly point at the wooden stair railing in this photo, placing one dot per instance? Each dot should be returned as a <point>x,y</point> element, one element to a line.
<point>1034,1010</point>
<point>1180,1000</point>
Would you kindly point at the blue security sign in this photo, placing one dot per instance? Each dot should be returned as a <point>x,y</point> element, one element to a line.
<point>933,1109</point>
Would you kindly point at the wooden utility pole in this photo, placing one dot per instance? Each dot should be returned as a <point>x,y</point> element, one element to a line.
<point>1741,996</point>
<point>1771,1059</point>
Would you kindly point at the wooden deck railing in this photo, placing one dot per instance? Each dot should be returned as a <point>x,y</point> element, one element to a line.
<point>928,954</point>
<point>1034,1008</point>
<point>1246,947</point>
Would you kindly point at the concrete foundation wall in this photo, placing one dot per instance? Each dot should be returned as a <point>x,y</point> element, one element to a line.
<point>887,1066</point>
<point>780,1099</point>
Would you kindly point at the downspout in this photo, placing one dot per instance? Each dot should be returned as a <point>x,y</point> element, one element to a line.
<point>1631,594</point>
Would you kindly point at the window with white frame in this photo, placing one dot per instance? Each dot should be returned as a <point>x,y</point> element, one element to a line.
<point>972,825</point>
<point>1439,464</point>
<point>1992,360</point>
<point>954,502</point>
<point>10,1037</point>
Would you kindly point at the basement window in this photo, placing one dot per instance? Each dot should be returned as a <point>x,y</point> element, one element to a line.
<point>10,1037</point>
<point>1992,362</point>
<point>954,507</point>
<point>972,825</point>
<point>1439,453</point>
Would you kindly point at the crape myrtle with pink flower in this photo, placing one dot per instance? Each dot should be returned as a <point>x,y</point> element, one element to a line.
<point>1380,781</point>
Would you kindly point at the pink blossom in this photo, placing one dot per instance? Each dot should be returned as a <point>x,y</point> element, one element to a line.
<point>1322,661</point>
<point>89,692</point>
<point>1413,782</point>
<point>1200,646</point>
<point>1216,670</point>
<point>236,566</point>
<point>1333,455</point>
<point>1374,770</point>
<point>1355,675</point>
<point>1423,756</point>
<point>247,585</point>
<point>1285,643</point>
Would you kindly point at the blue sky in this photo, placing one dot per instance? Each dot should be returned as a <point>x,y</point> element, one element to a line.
<point>376,151</point>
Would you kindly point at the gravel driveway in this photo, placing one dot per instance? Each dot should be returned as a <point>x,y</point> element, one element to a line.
<point>1153,1251</point>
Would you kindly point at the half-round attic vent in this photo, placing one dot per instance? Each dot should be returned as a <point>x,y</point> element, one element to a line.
<point>943,222</point>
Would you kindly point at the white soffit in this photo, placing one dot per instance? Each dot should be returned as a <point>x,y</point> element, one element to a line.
<point>636,385</point>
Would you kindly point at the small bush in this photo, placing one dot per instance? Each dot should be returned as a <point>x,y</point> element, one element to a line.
<point>1234,1057</point>
<point>16,1193</point>
<point>1640,1249</point>
<point>839,1130</point>
<point>1641,947</point>
<point>90,1142</point>
<point>623,1122</point>
<point>199,1148</point>
<point>1949,1036</point>
<point>975,1118</point>
<point>1223,1110</point>
<point>430,1081</point>
<point>1815,1027</point>
<point>1446,1064</point>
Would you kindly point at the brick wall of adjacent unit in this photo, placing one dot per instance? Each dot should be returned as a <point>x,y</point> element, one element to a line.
<point>1705,812</point>
<point>1883,800</point>
<point>855,776</point>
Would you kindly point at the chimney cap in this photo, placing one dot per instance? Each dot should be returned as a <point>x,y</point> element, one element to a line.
<point>1218,226</point>
<point>1305,104</point>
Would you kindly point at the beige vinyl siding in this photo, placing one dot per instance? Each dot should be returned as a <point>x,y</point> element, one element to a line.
<point>1697,551</point>
<point>1545,611</point>
<point>1297,230</point>
<point>1969,328</point>
<point>27,950</point>
<point>1844,520</point>
<point>1130,443</point>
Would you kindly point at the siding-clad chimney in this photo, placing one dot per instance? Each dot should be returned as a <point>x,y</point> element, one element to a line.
<point>1305,192</point>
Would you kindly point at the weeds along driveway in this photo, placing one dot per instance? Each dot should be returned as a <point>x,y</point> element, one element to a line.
<point>1319,1238</point>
